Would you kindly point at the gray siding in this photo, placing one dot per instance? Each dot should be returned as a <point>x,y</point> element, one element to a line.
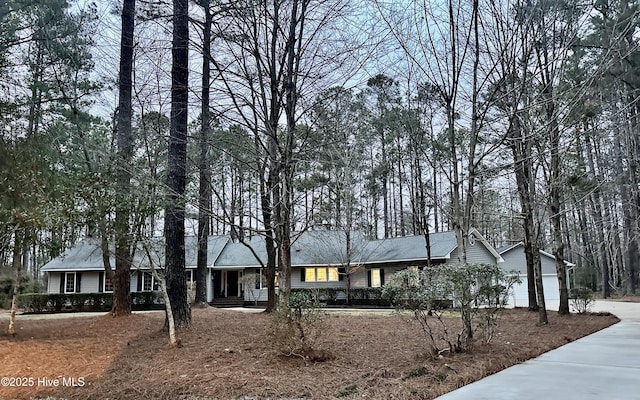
<point>515,259</point>
<point>89,282</point>
<point>133,284</point>
<point>360,279</point>
<point>548,265</point>
<point>296,283</point>
<point>54,282</point>
<point>251,295</point>
<point>476,254</point>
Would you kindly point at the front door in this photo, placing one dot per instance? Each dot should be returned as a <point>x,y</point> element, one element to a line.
<point>232,284</point>
<point>217,285</point>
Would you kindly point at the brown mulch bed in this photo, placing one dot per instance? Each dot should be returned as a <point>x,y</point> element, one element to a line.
<point>228,355</point>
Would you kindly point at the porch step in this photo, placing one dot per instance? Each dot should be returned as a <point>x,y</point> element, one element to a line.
<point>225,302</point>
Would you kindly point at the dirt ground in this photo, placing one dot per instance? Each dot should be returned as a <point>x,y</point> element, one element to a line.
<point>228,355</point>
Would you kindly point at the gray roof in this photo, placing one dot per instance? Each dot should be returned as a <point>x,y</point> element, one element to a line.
<point>508,247</point>
<point>309,248</point>
<point>412,248</point>
<point>239,255</point>
<point>328,248</point>
<point>86,255</point>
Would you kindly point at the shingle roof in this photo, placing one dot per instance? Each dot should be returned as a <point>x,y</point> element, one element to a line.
<point>412,248</point>
<point>308,248</point>
<point>86,255</point>
<point>508,247</point>
<point>328,248</point>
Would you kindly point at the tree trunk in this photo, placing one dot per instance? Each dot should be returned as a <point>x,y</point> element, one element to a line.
<point>598,217</point>
<point>17,266</point>
<point>205,168</point>
<point>122,281</point>
<point>176,170</point>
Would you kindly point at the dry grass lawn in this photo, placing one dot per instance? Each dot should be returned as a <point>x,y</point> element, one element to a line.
<point>228,355</point>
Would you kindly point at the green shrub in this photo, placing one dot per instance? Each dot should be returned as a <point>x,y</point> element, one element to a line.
<point>477,291</point>
<point>41,302</point>
<point>295,329</point>
<point>581,299</point>
<point>33,302</point>
<point>146,300</point>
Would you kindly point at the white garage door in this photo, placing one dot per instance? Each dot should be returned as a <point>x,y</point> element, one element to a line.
<point>520,295</point>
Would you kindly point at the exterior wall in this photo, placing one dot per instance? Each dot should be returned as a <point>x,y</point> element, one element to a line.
<point>515,259</point>
<point>53,286</point>
<point>520,295</point>
<point>253,295</point>
<point>360,279</point>
<point>88,281</point>
<point>476,253</point>
<point>297,283</point>
<point>548,264</point>
<point>133,283</point>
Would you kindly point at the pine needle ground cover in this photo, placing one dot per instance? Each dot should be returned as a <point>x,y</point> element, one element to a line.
<point>228,355</point>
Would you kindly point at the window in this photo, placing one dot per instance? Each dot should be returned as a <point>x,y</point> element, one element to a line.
<point>322,274</point>
<point>376,277</point>
<point>333,275</point>
<point>310,274</point>
<point>148,282</point>
<point>260,280</point>
<point>108,283</point>
<point>70,282</point>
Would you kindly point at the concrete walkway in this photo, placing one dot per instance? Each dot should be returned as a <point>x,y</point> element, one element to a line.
<point>604,365</point>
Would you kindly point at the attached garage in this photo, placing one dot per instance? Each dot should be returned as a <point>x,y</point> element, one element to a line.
<point>520,296</point>
<point>514,259</point>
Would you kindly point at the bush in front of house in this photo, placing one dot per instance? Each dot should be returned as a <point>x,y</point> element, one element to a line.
<point>296,328</point>
<point>7,280</point>
<point>478,292</point>
<point>33,302</point>
<point>147,300</point>
<point>57,302</point>
<point>359,296</point>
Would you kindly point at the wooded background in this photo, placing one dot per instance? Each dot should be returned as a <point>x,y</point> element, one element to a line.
<point>517,118</point>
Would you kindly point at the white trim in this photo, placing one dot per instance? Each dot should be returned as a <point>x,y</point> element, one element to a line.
<point>487,245</point>
<point>66,281</point>
<point>104,283</point>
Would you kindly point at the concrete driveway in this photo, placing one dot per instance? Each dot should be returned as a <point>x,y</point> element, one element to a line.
<point>604,365</point>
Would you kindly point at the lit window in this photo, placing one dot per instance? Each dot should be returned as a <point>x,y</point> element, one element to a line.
<point>70,282</point>
<point>333,275</point>
<point>310,274</point>
<point>375,278</point>
<point>108,283</point>
<point>321,274</point>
